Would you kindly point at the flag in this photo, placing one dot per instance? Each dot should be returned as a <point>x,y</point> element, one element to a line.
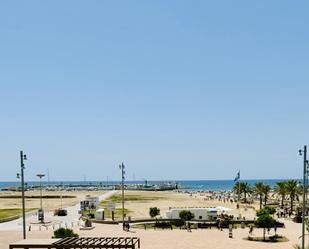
<point>237,177</point>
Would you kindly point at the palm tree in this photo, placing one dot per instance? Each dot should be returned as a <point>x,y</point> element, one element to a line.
<point>242,188</point>
<point>266,191</point>
<point>259,191</point>
<point>246,189</point>
<point>238,188</point>
<point>281,190</point>
<point>293,190</point>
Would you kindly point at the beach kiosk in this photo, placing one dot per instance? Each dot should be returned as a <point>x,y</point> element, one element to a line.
<point>209,214</point>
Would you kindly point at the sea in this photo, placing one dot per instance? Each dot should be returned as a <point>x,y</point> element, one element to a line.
<point>185,185</point>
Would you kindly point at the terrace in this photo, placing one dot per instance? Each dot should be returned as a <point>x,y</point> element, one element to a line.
<point>78,243</point>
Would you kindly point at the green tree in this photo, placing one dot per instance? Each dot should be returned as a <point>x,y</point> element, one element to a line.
<point>154,211</point>
<point>266,191</point>
<point>259,191</point>
<point>270,210</point>
<point>264,220</point>
<point>64,233</point>
<point>242,188</point>
<point>293,190</point>
<point>186,215</point>
<point>281,190</point>
<point>237,189</point>
<point>246,189</point>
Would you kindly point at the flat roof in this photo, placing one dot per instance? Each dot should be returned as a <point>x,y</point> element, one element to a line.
<point>83,242</point>
<point>35,242</point>
<point>208,209</point>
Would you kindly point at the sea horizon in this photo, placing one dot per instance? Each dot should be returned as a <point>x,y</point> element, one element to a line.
<point>190,185</point>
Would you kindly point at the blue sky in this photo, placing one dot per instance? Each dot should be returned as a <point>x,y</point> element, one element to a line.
<point>174,89</point>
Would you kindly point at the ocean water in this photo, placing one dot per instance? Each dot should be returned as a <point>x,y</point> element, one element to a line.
<point>223,185</point>
<point>189,185</point>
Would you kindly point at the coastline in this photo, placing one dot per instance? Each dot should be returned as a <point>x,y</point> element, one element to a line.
<point>186,185</point>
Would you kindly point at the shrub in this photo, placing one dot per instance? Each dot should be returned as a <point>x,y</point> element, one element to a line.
<point>163,224</point>
<point>64,233</point>
<point>154,211</point>
<point>270,210</point>
<point>178,223</point>
<point>186,215</point>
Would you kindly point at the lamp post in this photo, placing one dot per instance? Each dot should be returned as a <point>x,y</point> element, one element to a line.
<point>22,167</point>
<point>305,177</point>
<point>121,167</point>
<point>41,213</point>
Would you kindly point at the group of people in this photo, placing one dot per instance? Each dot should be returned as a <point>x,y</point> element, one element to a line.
<point>223,216</point>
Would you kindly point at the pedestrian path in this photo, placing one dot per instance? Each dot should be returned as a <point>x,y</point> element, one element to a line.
<point>70,220</point>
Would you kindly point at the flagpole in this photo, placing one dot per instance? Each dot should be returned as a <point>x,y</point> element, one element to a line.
<point>237,180</point>
<point>238,192</point>
<point>238,201</point>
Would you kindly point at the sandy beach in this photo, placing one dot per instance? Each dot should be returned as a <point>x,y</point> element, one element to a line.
<point>143,200</point>
<point>176,239</point>
<point>138,207</point>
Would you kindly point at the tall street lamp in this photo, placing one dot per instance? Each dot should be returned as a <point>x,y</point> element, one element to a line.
<point>305,177</point>
<point>41,213</point>
<point>22,167</point>
<point>121,167</point>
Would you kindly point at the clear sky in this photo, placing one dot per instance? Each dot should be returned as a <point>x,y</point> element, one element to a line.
<point>174,89</point>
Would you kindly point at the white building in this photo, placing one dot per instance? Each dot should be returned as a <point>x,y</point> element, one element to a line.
<point>99,214</point>
<point>89,203</point>
<point>93,201</point>
<point>199,213</point>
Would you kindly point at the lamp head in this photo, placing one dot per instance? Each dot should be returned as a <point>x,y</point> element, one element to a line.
<point>25,157</point>
<point>300,152</point>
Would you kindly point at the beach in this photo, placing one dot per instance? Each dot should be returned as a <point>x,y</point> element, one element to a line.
<point>176,239</point>
<point>138,204</point>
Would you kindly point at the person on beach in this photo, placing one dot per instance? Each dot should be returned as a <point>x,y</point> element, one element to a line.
<point>250,229</point>
<point>189,227</point>
<point>220,225</point>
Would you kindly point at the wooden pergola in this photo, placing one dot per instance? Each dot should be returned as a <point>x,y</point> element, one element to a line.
<point>80,243</point>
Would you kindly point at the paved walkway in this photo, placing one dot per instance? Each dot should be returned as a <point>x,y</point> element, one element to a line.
<point>72,217</point>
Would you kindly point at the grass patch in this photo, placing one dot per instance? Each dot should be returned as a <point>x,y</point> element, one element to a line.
<point>271,239</point>
<point>152,226</point>
<point>116,198</point>
<point>12,213</point>
<point>108,213</point>
<point>117,214</point>
<point>149,226</point>
<point>128,197</point>
<point>36,196</point>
